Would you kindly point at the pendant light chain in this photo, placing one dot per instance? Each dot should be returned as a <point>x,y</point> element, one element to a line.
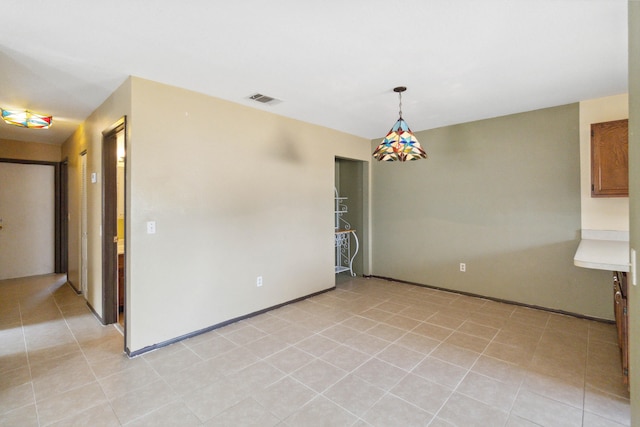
<point>400,106</point>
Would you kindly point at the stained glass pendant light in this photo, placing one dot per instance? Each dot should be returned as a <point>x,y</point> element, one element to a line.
<point>26,119</point>
<point>400,144</point>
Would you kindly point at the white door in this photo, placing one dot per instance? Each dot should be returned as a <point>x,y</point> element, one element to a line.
<point>27,216</point>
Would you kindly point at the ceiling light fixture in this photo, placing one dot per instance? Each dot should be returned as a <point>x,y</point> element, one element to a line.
<point>400,144</point>
<point>26,119</point>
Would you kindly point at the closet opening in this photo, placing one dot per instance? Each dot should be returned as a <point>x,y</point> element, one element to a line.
<point>351,218</point>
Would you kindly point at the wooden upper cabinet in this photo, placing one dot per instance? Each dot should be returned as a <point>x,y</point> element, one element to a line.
<point>610,159</point>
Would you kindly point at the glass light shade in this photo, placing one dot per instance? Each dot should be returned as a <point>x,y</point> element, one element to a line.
<point>26,119</point>
<point>400,144</point>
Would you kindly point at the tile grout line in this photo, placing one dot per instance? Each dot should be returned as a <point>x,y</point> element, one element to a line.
<point>372,356</point>
<point>26,350</point>
<point>524,378</point>
<point>86,359</point>
<point>441,342</point>
<point>408,372</point>
<point>453,391</point>
<point>347,373</point>
<point>373,299</point>
<point>584,378</point>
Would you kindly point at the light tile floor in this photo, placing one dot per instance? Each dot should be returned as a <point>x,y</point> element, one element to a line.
<point>371,352</point>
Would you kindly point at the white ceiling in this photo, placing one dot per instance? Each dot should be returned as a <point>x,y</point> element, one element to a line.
<point>332,62</point>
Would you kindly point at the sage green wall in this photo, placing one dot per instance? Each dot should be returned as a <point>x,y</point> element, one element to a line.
<point>501,195</point>
<point>634,202</point>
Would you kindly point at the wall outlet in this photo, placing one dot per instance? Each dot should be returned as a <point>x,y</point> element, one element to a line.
<point>463,267</point>
<point>151,227</point>
<point>259,281</point>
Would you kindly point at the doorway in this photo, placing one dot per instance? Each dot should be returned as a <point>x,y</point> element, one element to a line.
<point>114,224</point>
<point>352,183</point>
<point>120,181</point>
<point>84,249</point>
<point>62,218</point>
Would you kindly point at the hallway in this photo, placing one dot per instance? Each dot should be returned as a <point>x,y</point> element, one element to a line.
<point>369,353</point>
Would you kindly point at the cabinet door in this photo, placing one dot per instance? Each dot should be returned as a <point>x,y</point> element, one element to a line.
<point>624,320</point>
<point>624,349</point>
<point>618,310</point>
<point>610,159</point>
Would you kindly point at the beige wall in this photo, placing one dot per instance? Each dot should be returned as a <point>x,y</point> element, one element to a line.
<point>10,149</point>
<point>501,195</point>
<point>236,193</point>
<point>600,213</point>
<point>89,137</point>
<point>634,201</point>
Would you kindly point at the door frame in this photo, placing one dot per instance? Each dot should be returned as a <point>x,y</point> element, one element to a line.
<point>62,217</point>
<point>83,252</point>
<point>61,229</point>
<point>360,207</point>
<point>110,221</point>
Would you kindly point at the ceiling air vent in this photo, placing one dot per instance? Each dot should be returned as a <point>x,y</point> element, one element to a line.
<point>264,99</point>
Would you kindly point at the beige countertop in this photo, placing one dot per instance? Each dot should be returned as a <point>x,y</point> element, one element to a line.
<point>603,250</point>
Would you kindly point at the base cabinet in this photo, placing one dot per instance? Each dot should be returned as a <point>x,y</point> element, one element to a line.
<point>622,319</point>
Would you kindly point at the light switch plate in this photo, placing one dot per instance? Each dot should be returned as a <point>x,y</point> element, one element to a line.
<point>151,227</point>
